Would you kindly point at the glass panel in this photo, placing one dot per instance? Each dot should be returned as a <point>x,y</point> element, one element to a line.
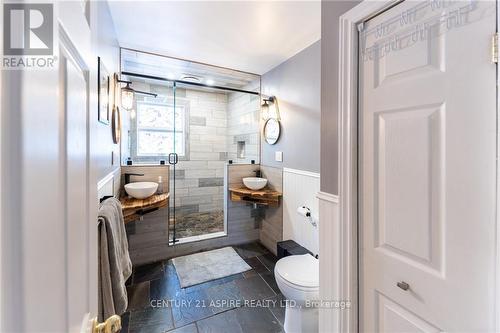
<point>201,127</point>
<point>173,159</point>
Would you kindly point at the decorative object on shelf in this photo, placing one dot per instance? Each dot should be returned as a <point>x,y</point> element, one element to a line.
<point>103,92</point>
<point>272,131</point>
<point>270,109</point>
<point>128,93</point>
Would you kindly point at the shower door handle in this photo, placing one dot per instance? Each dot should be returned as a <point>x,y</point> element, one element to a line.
<point>173,158</point>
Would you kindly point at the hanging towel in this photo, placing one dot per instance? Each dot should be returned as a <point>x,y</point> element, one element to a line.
<point>115,266</point>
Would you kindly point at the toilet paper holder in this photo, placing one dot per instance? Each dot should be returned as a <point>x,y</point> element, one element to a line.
<point>306,212</point>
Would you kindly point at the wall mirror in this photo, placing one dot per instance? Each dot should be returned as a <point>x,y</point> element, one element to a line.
<point>272,131</point>
<point>116,124</point>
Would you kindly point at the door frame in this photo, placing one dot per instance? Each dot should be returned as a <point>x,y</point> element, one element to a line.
<point>347,273</point>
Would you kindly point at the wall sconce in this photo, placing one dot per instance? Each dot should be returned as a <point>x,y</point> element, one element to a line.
<point>270,109</point>
<point>128,94</point>
<point>127,97</point>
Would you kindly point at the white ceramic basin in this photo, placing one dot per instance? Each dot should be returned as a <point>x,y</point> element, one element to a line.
<point>141,190</point>
<point>255,183</point>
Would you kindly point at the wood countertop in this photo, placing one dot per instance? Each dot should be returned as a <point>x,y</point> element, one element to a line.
<point>265,196</point>
<point>133,208</point>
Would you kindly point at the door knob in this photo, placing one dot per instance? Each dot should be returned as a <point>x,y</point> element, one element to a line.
<point>403,285</point>
<point>112,325</point>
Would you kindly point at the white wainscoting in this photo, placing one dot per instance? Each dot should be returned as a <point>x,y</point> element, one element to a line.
<point>109,184</point>
<point>300,188</point>
<point>329,260</point>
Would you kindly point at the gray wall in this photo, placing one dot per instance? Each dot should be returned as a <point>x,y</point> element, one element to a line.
<point>296,84</point>
<point>330,13</point>
<point>107,47</point>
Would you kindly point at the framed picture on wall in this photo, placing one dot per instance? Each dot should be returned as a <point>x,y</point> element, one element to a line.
<point>103,114</point>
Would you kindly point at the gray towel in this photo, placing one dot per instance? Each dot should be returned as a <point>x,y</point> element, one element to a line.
<point>115,266</point>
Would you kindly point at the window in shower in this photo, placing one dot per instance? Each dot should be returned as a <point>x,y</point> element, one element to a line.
<point>159,127</point>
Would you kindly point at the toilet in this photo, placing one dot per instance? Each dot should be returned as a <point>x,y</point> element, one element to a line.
<point>297,277</point>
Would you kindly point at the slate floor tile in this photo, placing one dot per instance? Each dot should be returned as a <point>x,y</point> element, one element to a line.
<point>250,273</point>
<point>214,306</point>
<point>257,320</point>
<point>271,281</point>
<point>254,288</point>
<point>190,307</point>
<point>224,297</point>
<point>148,272</point>
<point>151,320</point>
<point>250,250</point>
<point>191,328</point>
<point>167,286</point>
<point>269,260</point>
<point>226,322</point>
<point>256,265</point>
<point>278,308</point>
<point>138,296</point>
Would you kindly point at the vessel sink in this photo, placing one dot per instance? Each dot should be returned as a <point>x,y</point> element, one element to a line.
<point>255,183</point>
<point>141,190</point>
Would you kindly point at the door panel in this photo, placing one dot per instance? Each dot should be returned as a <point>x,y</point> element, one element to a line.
<point>393,318</point>
<point>408,193</point>
<point>76,192</point>
<point>74,101</point>
<point>427,168</point>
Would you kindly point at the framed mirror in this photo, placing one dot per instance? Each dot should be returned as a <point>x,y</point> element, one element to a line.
<point>116,124</point>
<point>272,131</point>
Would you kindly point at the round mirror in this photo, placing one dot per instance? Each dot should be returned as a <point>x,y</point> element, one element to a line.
<point>116,124</point>
<point>272,130</point>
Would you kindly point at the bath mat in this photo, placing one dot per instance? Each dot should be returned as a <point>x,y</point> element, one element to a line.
<point>206,266</point>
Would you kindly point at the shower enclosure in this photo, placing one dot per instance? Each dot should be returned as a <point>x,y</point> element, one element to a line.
<point>202,118</point>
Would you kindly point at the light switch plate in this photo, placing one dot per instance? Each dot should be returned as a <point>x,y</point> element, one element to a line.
<point>278,156</point>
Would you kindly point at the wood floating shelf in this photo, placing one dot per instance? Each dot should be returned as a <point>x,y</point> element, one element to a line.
<point>133,208</point>
<point>266,196</point>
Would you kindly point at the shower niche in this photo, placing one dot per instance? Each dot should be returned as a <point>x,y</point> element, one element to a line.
<point>193,127</point>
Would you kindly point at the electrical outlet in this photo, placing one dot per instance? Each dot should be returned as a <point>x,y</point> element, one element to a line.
<point>278,156</point>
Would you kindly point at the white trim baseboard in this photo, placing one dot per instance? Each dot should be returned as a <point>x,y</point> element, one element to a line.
<point>302,172</point>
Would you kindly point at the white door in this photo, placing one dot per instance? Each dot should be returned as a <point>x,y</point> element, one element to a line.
<point>427,161</point>
<point>48,219</point>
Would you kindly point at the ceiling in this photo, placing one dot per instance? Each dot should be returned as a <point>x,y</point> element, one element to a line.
<point>252,36</point>
<point>188,71</point>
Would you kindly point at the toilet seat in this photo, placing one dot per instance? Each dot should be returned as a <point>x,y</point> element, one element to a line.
<point>299,272</point>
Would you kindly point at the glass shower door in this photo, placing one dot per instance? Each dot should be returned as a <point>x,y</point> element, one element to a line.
<point>173,160</point>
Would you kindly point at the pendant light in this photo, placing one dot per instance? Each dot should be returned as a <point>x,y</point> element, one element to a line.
<point>127,97</point>
<point>128,94</point>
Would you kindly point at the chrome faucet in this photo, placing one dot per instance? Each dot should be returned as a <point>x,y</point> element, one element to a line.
<point>127,176</point>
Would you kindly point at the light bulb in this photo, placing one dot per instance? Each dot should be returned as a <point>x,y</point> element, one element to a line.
<point>127,97</point>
